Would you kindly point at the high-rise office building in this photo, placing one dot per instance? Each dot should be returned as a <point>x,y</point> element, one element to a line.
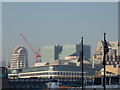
<point>56,52</point>
<point>86,50</point>
<point>47,53</point>
<point>19,57</point>
<point>67,50</point>
<point>50,52</point>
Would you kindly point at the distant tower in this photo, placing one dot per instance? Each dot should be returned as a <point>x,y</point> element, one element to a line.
<point>57,51</point>
<point>19,57</point>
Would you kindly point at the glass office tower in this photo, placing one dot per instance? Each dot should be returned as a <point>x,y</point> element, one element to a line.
<point>47,53</point>
<point>56,52</point>
<point>67,50</point>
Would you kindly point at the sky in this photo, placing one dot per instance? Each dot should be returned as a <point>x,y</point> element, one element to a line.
<point>60,0</point>
<point>56,23</point>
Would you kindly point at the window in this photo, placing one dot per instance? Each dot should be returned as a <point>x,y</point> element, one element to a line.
<point>63,73</point>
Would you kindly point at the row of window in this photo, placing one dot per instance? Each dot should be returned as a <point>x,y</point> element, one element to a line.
<point>111,58</point>
<point>113,62</point>
<point>51,73</point>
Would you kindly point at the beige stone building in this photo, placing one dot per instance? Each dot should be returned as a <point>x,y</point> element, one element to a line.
<point>113,56</point>
<point>111,70</point>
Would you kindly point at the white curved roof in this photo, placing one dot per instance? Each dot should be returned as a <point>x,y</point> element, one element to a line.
<point>19,49</point>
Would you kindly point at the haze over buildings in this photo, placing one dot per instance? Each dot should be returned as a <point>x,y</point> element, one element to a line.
<point>45,24</point>
<point>62,23</point>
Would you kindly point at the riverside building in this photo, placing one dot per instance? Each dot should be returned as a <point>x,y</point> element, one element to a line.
<point>51,71</point>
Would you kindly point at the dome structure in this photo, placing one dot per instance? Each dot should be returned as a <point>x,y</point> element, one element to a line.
<point>19,49</point>
<point>19,57</point>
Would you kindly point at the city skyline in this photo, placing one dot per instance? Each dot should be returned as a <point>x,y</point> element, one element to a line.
<point>57,23</point>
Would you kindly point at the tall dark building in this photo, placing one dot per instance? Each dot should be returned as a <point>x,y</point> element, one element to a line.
<point>86,50</point>
<point>58,50</point>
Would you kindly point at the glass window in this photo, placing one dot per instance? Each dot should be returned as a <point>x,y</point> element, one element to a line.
<point>66,73</point>
<point>55,73</point>
<point>63,73</point>
<point>60,73</point>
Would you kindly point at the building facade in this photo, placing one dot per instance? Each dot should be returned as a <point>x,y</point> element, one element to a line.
<point>51,71</point>
<point>112,57</point>
<point>86,51</point>
<point>47,53</point>
<point>19,57</point>
<point>59,52</point>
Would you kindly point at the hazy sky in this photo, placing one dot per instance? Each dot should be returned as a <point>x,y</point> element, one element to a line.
<point>57,23</point>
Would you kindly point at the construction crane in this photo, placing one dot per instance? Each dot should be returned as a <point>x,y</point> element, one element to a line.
<point>37,55</point>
